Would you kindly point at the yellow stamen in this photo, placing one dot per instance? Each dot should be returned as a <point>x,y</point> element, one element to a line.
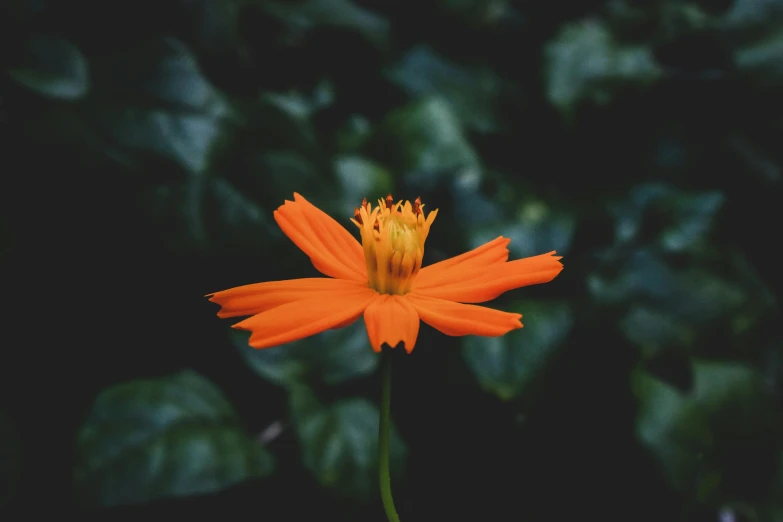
<point>393,236</point>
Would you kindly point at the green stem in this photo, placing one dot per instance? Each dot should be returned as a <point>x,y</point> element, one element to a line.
<point>383,439</point>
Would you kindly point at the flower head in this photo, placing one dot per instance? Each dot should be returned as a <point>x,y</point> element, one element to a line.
<point>381,279</point>
<point>393,236</point>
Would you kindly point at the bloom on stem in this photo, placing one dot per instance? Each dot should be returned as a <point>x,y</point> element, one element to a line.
<point>382,279</point>
<point>393,236</point>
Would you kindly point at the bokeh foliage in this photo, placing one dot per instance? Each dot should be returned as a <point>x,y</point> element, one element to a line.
<point>146,145</point>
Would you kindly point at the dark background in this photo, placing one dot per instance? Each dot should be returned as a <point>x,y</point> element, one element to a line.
<point>144,146</point>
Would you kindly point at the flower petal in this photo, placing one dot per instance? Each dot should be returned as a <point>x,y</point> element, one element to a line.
<point>391,319</point>
<point>259,297</point>
<point>299,319</point>
<point>460,319</point>
<point>482,283</point>
<point>451,270</point>
<point>331,248</point>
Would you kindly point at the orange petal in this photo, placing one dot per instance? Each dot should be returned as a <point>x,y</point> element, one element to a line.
<point>481,284</point>
<point>452,269</point>
<point>391,319</point>
<point>461,319</point>
<point>299,319</point>
<point>331,248</point>
<point>259,297</point>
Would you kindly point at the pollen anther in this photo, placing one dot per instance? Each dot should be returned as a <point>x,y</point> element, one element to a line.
<point>393,236</point>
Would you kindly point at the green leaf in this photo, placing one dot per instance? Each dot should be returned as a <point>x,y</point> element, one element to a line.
<point>760,60</point>
<point>753,26</point>
<point>353,134</point>
<point>475,12</point>
<point>676,221</point>
<point>340,443</point>
<point>214,26</point>
<point>154,102</point>
<point>331,13</point>
<point>332,357</point>
<point>208,214</point>
<point>273,151</point>
<point>681,307</point>
<point>10,458</point>
<point>673,365</point>
<point>472,92</point>
<point>684,304</point>
<point>726,428</point>
<point>655,330</point>
<point>53,67</point>
<point>694,219</point>
<point>280,122</point>
<point>286,172</point>
<point>508,364</point>
<point>538,229</point>
<point>584,63</point>
<point>425,140</point>
<point>475,209</point>
<point>166,437</point>
<point>360,178</point>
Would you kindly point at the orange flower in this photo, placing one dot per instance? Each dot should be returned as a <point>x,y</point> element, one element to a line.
<point>381,278</point>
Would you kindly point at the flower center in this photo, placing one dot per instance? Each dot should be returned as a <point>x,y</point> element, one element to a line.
<point>393,236</point>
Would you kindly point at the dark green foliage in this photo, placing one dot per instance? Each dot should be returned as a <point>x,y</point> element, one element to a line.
<point>145,146</point>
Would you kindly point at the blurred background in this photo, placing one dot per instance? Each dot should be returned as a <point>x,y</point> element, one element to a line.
<point>144,146</point>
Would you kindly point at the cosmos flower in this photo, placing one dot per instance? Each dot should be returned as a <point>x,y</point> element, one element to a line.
<point>382,279</point>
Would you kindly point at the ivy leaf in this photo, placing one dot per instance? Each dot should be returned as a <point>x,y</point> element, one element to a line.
<point>333,356</point>
<point>676,221</point>
<point>153,102</point>
<point>52,67</point>
<point>360,178</point>
<point>340,443</point>
<point>208,214</point>
<point>584,63</point>
<point>508,364</point>
<point>711,441</point>
<point>754,27</point>
<point>425,140</point>
<point>167,437</point>
<point>537,230</point>
<point>473,93</point>
<point>331,13</point>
